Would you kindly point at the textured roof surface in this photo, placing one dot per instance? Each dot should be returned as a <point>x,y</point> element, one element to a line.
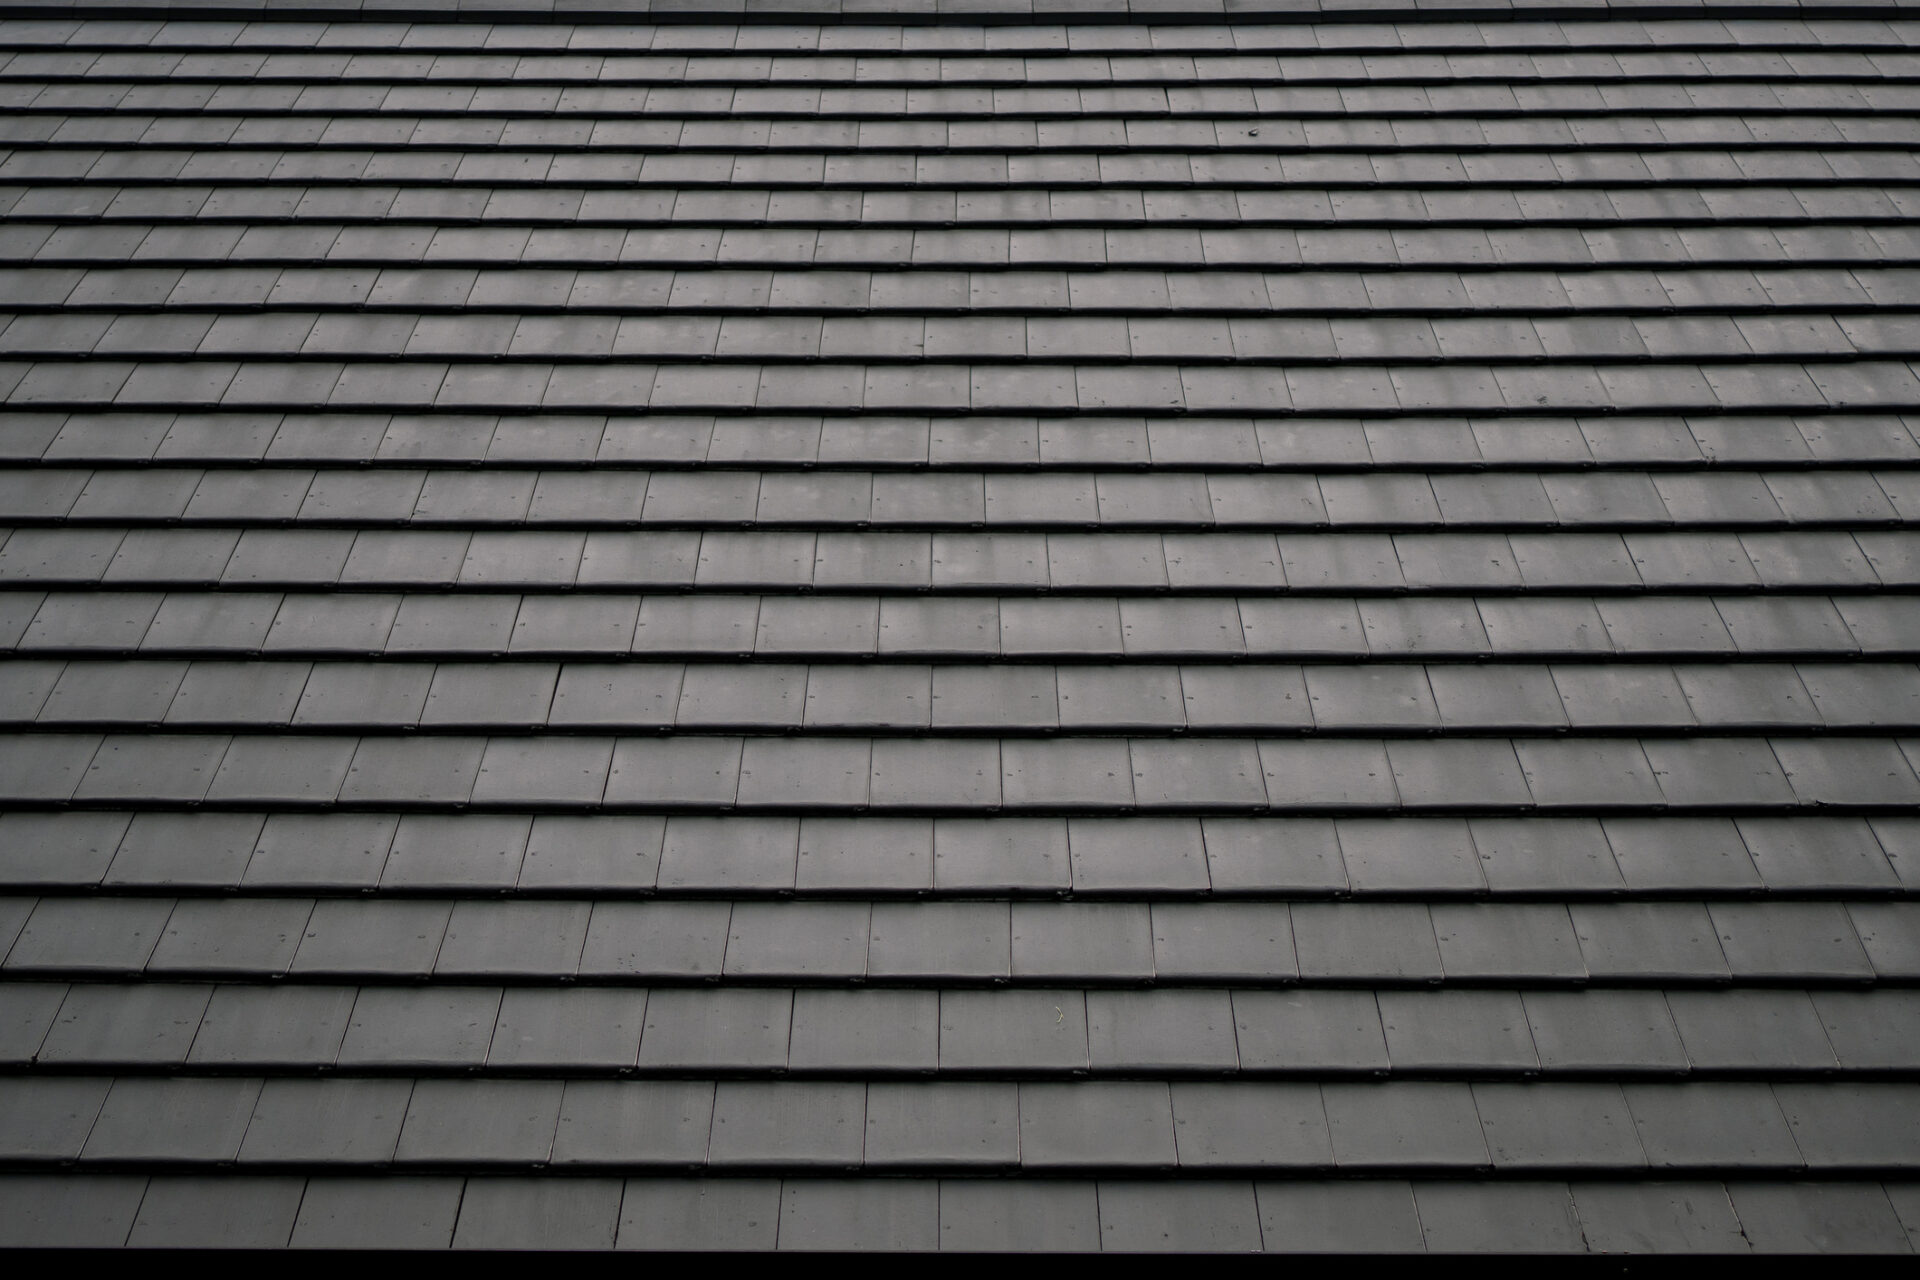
<point>1221,635</point>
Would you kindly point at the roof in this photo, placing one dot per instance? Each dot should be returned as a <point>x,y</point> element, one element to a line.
<point>1229,633</point>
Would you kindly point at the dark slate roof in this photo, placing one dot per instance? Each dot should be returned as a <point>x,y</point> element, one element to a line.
<point>1224,634</point>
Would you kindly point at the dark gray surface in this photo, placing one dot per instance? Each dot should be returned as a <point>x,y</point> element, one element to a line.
<point>1289,629</point>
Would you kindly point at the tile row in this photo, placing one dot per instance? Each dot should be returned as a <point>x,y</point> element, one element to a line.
<point>892,87</point>
<point>542,855</point>
<point>1127,1215</point>
<point>1161,70</point>
<point>853,499</point>
<point>1012,698</point>
<point>102,438</point>
<point>961,1214</point>
<point>1221,177</point>
<point>615,385</point>
<point>931,295</point>
<point>972,563</point>
<point>959,123</point>
<point>1179,1024</point>
<point>1172,945</point>
<point>590,335</point>
<point>394,84</point>
<point>1602,27</point>
<point>737,1126</point>
<point>532,244</point>
<point>425,625</point>
<point>1358,200</point>
<point>701,773</point>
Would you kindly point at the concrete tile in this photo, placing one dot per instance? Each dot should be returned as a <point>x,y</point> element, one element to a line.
<point>1797,1217</point>
<point>1407,1125</point>
<point>1525,1217</point>
<point>538,1212</point>
<point>1308,1030</point>
<point>189,1212</point>
<point>714,1030</point>
<point>1729,1125</point>
<point>644,1122</point>
<point>1127,1125</point>
<point>864,1030</point>
<point>186,1119</point>
<point>985,1215</point>
<point>997,1030</point>
<point>1332,1217</point>
<point>665,1213</point>
<point>415,1213</point>
<point>125,1025</point>
<point>867,1214</point>
<point>1198,1217</point>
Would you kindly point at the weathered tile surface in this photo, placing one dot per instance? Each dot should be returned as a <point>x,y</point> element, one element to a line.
<point>1020,625</point>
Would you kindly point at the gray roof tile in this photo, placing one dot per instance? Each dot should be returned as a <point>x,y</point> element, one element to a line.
<point>1467,1218</point>
<point>481,1121</point>
<point>1133,1030</point>
<point>172,1119</point>
<point>1730,1125</point>
<point>1199,1217</point>
<point>254,1213</point>
<point>1251,941</point>
<point>381,937</point>
<point>1366,940</point>
<point>802,1125</point>
<point>54,1212</point>
<point>1604,1030</point>
<point>1671,1217</point>
<point>677,939</point>
<point>1117,1125</point>
<point>858,1214</point>
<point>109,935</point>
<point>541,1213</point>
<point>797,940</point>
<point>711,1030</point>
<point>1279,855</point>
<point>28,1012</point>
<point>1849,1125</point>
<point>887,853</point>
<point>1052,941</point>
<point>1812,939</point>
<point>1748,1030</point>
<point>343,1121</point>
<point>260,1027</point>
<point>935,940</point>
<point>1648,939</point>
<point>849,1030</point>
<point>1456,1030</point>
<point>690,1214</point>
<point>648,1122</point>
<point>183,848</point>
<point>442,1026</point>
<point>322,850</point>
<point>1508,942</point>
<point>1404,1125</point>
<point>370,1212</point>
<point>231,937</point>
<point>1776,1218</point>
<point>1336,1216</point>
<point>1056,1214</point>
<point>1031,1029</point>
<point>117,1025</point>
<point>1401,856</point>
